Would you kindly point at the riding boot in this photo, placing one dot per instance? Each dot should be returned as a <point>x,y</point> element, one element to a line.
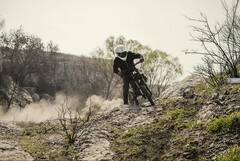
<point>136,101</point>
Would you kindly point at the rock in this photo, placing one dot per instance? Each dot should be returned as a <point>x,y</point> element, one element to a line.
<point>215,96</point>
<point>9,150</point>
<point>175,90</point>
<point>188,93</point>
<point>190,154</point>
<point>45,96</point>
<point>218,102</point>
<point>30,89</point>
<point>205,113</point>
<point>35,97</point>
<point>11,91</point>
<point>194,143</point>
<point>25,95</point>
<point>211,145</point>
<point>226,92</point>
<point>222,97</point>
<point>216,139</point>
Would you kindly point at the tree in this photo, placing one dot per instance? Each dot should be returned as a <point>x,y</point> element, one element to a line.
<point>103,59</point>
<point>92,80</point>
<point>26,60</point>
<point>2,22</point>
<point>104,64</point>
<point>161,70</point>
<point>220,45</point>
<point>23,54</point>
<point>160,67</point>
<point>52,50</point>
<point>47,74</point>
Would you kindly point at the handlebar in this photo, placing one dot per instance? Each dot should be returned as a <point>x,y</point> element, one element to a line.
<point>140,61</point>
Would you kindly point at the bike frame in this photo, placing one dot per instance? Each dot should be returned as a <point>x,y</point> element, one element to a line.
<point>138,79</point>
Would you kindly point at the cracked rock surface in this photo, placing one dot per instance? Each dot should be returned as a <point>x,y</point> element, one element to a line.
<point>9,149</point>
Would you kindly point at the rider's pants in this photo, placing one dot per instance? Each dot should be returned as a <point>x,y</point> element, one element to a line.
<point>126,81</point>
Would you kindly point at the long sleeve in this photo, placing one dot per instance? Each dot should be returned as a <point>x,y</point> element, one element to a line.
<point>137,56</point>
<point>115,67</point>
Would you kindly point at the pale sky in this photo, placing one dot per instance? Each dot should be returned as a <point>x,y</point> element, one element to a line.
<point>81,26</point>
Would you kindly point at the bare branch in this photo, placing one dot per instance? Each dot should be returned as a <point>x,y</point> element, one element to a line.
<point>72,123</point>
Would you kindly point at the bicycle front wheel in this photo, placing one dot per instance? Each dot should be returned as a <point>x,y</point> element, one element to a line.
<point>147,94</point>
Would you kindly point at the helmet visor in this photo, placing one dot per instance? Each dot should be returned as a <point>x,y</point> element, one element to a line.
<point>122,54</point>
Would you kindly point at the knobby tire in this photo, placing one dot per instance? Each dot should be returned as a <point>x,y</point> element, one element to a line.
<point>147,94</point>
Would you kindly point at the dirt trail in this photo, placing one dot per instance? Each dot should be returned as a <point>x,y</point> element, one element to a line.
<point>96,143</point>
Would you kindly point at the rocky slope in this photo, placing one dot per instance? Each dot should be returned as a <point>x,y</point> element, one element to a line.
<point>9,147</point>
<point>179,127</point>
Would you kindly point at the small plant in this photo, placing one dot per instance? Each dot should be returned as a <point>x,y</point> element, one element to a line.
<point>204,89</point>
<point>34,146</point>
<point>189,125</point>
<point>232,154</point>
<point>230,123</point>
<point>176,114</point>
<point>72,123</point>
<point>167,101</point>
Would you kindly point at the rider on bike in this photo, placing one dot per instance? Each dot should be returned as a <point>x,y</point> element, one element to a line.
<point>122,63</point>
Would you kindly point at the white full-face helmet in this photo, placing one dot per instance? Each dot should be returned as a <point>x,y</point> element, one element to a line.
<point>121,52</point>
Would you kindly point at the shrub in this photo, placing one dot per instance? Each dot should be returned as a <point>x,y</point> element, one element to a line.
<point>204,89</point>
<point>174,115</point>
<point>230,123</point>
<point>190,125</point>
<point>232,154</point>
<point>72,123</point>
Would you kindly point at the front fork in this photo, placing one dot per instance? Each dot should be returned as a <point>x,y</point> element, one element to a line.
<point>143,82</point>
<point>137,88</point>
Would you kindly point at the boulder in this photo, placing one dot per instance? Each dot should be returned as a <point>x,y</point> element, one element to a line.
<point>11,91</point>
<point>177,89</point>
<point>45,96</point>
<point>188,93</point>
<point>35,97</point>
<point>215,96</point>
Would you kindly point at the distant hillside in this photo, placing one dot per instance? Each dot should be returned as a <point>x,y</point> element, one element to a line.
<point>55,72</point>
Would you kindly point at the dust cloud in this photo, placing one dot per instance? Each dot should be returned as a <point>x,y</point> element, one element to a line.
<point>98,104</point>
<point>45,110</point>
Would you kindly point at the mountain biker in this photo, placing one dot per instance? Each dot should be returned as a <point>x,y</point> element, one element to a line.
<point>122,63</point>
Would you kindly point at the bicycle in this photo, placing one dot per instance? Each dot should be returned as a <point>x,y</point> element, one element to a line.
<point>141,88</point>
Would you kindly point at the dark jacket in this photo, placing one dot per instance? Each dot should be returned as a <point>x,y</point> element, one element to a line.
<point>125,65</point>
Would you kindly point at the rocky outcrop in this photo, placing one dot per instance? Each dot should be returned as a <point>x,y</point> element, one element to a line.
<point>96,141</point>
<point>13,95</point>
<point>94,145</point>
<point>219,105</point>
<point>182,88</point>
